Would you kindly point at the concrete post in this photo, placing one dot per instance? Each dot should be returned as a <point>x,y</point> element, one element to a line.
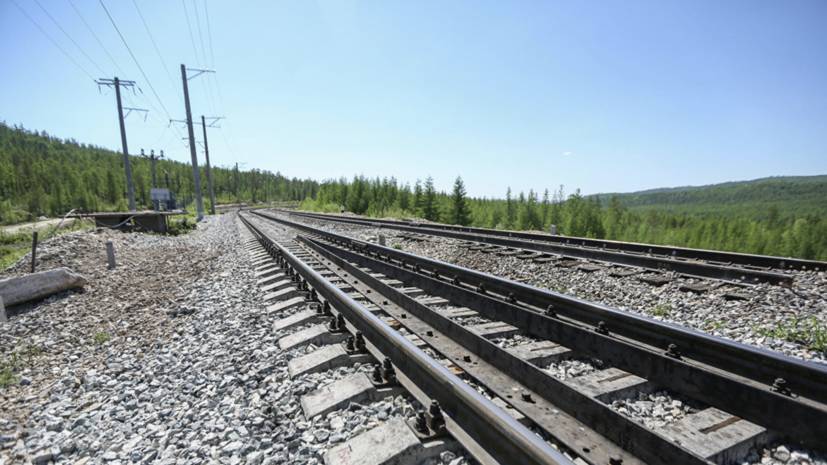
<point>110,254</point>
<point>382,239</point>
<point>3,317</point>
<point>553,229</point>
<point>34,250</point>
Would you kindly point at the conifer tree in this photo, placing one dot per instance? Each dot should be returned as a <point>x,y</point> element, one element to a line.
<point>510,210</point>
<point>460,212</point>
<point>430,208</point>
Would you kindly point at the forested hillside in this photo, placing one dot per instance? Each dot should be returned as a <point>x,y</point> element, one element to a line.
<point>786,219</point>
<point>43,175</point>
<point>798,195</point>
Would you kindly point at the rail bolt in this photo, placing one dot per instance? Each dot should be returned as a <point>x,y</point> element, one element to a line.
<point>360,341</point>
<point>672,351</point>
<point>377,374</point>
<point>550,311</point>
<point>350,345</point>
<point>456,281</point>
<point>436,422</point>
<point>602,328</point>
<point>511,299</point>
<point>388,371</point>
<point>319,309</point>
<point>481,288</point>
<point>527,396</point>
<point>780,386</point>
<point>421,422</point>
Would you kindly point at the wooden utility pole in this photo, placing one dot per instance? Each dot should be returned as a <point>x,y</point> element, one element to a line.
<point>127,166</point>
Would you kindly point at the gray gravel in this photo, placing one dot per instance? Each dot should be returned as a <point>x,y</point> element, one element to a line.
<point>654,410</point>
<point>191,371</point>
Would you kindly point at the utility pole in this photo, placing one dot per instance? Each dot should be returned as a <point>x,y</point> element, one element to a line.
<point>199,204</point>
<point>117,83</point>
<point>152,160</point>
<point>209,175</point>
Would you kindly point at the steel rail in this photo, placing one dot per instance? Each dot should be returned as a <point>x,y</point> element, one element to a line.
<point>724,257</point>
<point>612,427</point>
<point>506,440</point>
<point>655,263</point>
<point>706,369</point>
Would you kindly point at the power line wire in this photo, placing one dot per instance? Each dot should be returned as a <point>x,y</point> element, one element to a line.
<point>82,51</point>
<point>95,35</point>
<point>140,68</point>
<point>138,64</point>
<point>214,76</point>
<point>155,45</point>
<point>209,34</point>
<point>46,34</point>
<point>189,28</point>
<point>205,89</point>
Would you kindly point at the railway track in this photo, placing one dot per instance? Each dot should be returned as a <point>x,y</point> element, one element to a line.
<point>699,263</point>
<point>745,396</point>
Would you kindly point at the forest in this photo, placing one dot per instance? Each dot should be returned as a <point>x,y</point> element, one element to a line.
<point>41,175</point>
<point>790,228</point>
<point>45,175</point>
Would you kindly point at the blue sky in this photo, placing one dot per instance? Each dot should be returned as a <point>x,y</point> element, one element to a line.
<point>605,96</point>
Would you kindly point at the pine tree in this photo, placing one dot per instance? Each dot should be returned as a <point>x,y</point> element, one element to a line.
<point>510,210</point>
<point>418,198</point>
<point>460,213</point>
<point>529,219</point>
<point>430,209</point>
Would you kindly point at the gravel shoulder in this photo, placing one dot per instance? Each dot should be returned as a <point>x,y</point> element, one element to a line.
<point>106,368</point>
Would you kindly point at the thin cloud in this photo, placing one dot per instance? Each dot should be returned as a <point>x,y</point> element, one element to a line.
<point>567,154</point>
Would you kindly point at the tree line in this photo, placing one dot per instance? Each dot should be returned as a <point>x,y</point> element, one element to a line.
<point>45,175</point>
<point>770,232</point>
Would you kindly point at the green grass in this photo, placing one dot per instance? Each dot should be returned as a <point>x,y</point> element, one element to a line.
<point>101,338</point>
<point>662,310</point>
<point>15,361</point>
<point>713,325</point>
<point>809,332</point>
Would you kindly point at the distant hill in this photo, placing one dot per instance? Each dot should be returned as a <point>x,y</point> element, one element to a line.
<point>789,195</point>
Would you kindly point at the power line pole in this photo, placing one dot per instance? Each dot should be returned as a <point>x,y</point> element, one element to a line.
<point>199,206</point>
<point>209,175</point>
<point>117,83</point>
<point>196,175</point>
<point>152,160</point>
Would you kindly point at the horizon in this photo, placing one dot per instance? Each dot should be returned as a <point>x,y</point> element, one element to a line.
<point>515,193</point>
<point>617,98</point>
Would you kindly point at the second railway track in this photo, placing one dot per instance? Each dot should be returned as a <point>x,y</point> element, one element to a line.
<point>746,397</point>
<point>708,264</point>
